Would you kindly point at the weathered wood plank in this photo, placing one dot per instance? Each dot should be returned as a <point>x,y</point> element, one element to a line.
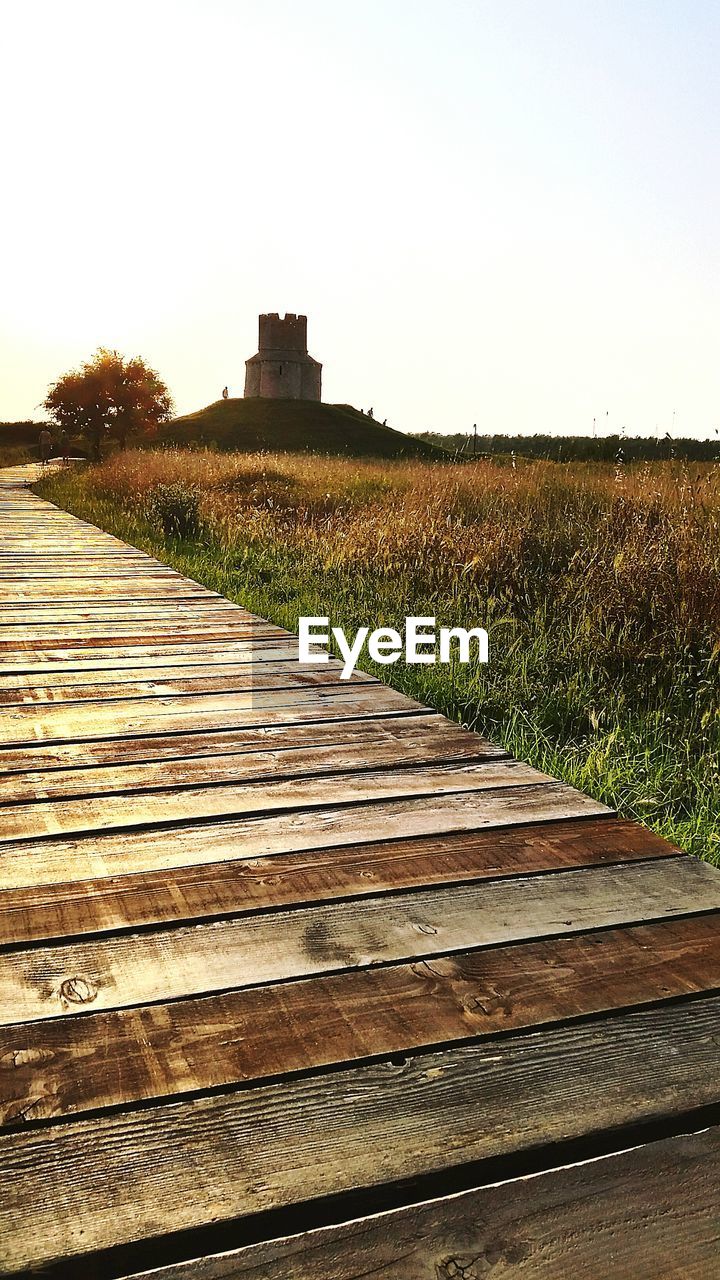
<point>164,964</point>
<point>65,1067</point>
<point>123,553</point>
<point>175,609</point>
<point>65,591</point>
<point>61,552</point>
<point>46,861</point>
<point>76,677</point>
<point>105,563</point>
<point>109,903</point>
<point>174,806</point>
<point>252,675</point>
<point>395,741</point>
<point>185,1164</point>
<point>35,569</point>
<point>31,595</point>
<point>649,1213</point>
<point>201,739</point>
<point>17,639</point>
<point>117,718</point>
<point>140,654</point>
<point>180,615</point>
<point>126,554</point>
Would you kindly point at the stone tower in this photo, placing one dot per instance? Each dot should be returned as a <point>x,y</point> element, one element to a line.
<point>282,368</point>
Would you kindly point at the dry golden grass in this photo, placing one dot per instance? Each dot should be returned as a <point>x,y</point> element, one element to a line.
<point>636,551</point>
<point>599,585</point>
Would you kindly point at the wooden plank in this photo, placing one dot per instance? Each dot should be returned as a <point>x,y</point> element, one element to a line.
<point>121,602</point>
<point>113,902</point>
<point>649,1213</point>
<point>132,633</point>
<point>42,569</point>
<point>110,903</point>
<point>166,613</point>
<point>200,739</point>
<point>120,852</point>
<point>41,538</point>
<point>250,676</point>
<point>72,1065</point>
<point>170,609</point>
<point>66,683</point>
<point>131,662</point>
<point>30,594</point>
<point>31,685</point>
<point>174,806</point>
<point>166,610</point>
<point>133,555</point>
<point>61,551</point>
<point>118,718</point>
<point>36,596</point>
<point>12,554</point>
<point>166,964</point>
<point>71,588</point>
<point>59,561</point>
<point>181,1165</point>
<point>139,655</point>
<point>395,741</point>
<point>90,571</point>
<point>49,564</point>
<point>91,587</point>
<point>163,614</point>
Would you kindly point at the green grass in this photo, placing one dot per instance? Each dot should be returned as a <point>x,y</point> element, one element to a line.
<point>600,596</point>
<point>294,425</point>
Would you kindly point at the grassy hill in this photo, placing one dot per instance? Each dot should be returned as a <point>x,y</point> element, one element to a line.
<point>294,426</point>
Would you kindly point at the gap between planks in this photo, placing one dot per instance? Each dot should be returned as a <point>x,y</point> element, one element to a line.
<point>647,1213</point>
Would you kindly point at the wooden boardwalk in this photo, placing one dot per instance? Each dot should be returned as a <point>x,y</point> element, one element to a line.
<point>302,980</point>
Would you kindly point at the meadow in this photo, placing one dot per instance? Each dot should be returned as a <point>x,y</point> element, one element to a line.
<point>599,586</point>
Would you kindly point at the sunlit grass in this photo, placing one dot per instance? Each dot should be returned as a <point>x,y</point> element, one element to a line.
<point>600,588</point>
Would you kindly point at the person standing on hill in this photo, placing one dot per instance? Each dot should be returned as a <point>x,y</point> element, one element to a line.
<point>44,444</point>
<point>226,393</point>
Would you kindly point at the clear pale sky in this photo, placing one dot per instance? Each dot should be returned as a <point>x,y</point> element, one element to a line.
<point>503,212</point>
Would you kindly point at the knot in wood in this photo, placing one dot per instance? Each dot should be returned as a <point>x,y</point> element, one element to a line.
<point>459,1269</point>
<point>77,991</point>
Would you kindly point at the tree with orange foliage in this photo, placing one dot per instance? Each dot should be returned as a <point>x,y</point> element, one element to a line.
<point>108,395</point>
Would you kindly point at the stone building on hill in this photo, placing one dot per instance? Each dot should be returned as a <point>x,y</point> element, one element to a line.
<point>282,368</point>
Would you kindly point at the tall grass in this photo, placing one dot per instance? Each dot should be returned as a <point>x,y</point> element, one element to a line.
<point>15,455</point>
<point>599,586</point>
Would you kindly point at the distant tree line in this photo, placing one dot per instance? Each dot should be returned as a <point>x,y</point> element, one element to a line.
<point>19,433</point>
<point>578,448</point>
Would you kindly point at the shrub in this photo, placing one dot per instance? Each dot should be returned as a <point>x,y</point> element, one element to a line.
<point>176,509</point>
